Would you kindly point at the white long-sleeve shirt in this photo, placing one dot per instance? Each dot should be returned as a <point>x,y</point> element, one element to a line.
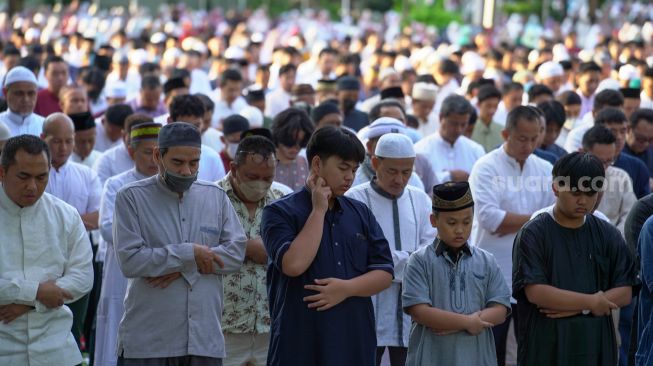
<point>500,186</point>
<point>113,162</point>
<point>31,124</point>
<point>77,185</point>
<point>45,241</point>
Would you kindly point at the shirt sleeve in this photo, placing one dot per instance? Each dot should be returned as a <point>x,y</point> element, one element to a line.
<point>18,290</point>
<point>497,290</point>
<point>529,262</point>
<point>485,186</point>
<point>425,172</point>
<point>232,240</point>
<point>135,258</point>
<point>415,289</point>
<point>95,190</point>
<point>379,256</point>
<point>78,269</point>
<point>101,168</point>
<point>107,204</point>
<point>646,254</point>
<point>277,234</point>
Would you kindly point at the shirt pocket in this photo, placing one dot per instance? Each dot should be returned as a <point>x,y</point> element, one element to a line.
<point>209,235</point>
<point>356,252</point>
<point>476,289</point>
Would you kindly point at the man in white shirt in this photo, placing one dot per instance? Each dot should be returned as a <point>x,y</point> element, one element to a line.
<point>403,212</point>
<point>445,77</point>
<point>74,184</point>
<point>647,89</point>
<point>603,99</point>
<point>20,90</point>
<point>447,155</point>
<point>508,185</point>
<point>326,65</point>
<point>84,149</point>
<point>512,96</point>
<point>109,132</point>
<point>228,99</point>
<point>422,103</point>
<point>42,268</point>
<point>279,99</point>
<point>388,78</point>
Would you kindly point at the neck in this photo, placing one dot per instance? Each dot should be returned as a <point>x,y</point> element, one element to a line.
<point>283,159</point>
<point>566,221</point>
<point>58,165</point>
<point>83,157</point>
<point>520,162</point>
<point>486,121</point>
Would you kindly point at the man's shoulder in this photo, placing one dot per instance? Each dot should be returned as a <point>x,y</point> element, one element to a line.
<point>82,169</point>
<point>51,203</point>
<point>358,190</point>
<point>147,183</point>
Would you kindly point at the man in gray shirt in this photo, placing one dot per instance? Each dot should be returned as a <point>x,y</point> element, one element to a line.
<point>174,239</point>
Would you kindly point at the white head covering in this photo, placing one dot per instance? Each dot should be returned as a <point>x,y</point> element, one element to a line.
<point>628,72</point>
<point>116,89</point>
<point>395,146</point>
<point>382,126</point>
<point>608,84</point>
<point>472,62</point>
<point>550,69</point>
<point>424,91</point>
<point>253,115</point>
<point>5,133</point>
<point>18,74</point>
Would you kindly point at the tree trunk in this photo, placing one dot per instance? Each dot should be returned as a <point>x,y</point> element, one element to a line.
<point>15,6</point>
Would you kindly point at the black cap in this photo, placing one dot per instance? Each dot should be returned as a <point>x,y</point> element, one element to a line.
<point>102,62</point>
<point>234,123</point>
<point>452,196</point>
<point>179,134</point>
<point>257,132</point>
<point>348,83</point>
<point>392,92</point>
<point>82,121</point>
<point>322,110</point>
<point>253,95</point>
<point>631,93</point>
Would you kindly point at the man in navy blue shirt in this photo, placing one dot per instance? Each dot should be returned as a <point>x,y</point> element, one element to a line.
<point>639,141</point>
<point>615,120</point>
<point>327,256</point>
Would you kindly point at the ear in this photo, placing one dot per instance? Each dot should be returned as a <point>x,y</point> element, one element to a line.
<point>157,155</point>
<point>223,140</point>
<point>434,220</point>
<point>131,151</point>
<point>505,134</point>
<point>316,164</point>
<point>554,187</point>
<point>233,166</point>
<point>169,119</point>
<point>369,144</point>
<point>375,162</point>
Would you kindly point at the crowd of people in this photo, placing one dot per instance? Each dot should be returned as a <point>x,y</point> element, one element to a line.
<point>197,188</point>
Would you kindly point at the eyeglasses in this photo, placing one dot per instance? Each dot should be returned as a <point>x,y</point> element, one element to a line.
<point>258,158</point>
<point>642,139</point>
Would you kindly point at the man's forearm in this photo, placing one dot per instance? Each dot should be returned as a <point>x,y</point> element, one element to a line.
<point>512,222</point>
<point>550,297</point>
<point>91,220</point>
<point>621,296</point>
<point>438,319</point>
<point>303,249</point>
<point>495,314</point>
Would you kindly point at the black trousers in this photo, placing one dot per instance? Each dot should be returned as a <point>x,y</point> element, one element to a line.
<point>501,335</point>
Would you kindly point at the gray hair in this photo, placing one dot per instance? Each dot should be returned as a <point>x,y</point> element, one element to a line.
<point>455,104</point>
<point>54,117</point>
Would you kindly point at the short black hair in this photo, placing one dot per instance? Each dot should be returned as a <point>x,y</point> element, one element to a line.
<point>590,66</point>
<point>287,68</point>
<point>607,98</point>
<point>287,123</point>
<point>209,105</point>
<point>28,143</point>
<point>186,105</point>
<point>580,172</point>
<point>426,78</point>
<point>117,114</point>
<point>10,50</point>
<point>538,90</point>
<point>31,63</point>
<point>230,75</point>
<point>328,51</point>
<point>519,113</point>
<point>256,145</point>
<point>150,82</point>
<point>53,59</point>
<point>455,104</point>
<point>569,97</point>
<point>488,92</point>
<point>448,67</point>
<point>511,86</point>
<point>375,112</point>
<point>645,114</point>
<point>148,67</point>
<point>598,134</point>
<point>335,141</point>
<point>648,73</point>
<point>610,115</point>
<point>554,113</point>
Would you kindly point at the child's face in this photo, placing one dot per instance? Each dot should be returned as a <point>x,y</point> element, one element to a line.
<point>337,173</point>
<point>551,134</point>
<point>454,227</point>
<point>572,110</point>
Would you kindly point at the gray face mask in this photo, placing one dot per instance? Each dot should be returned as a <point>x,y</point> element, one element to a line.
<point>176,182</point>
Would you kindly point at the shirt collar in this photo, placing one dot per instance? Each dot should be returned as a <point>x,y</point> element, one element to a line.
<point>16,118</point>
<point>61,169</point>
<point>375,186</point>
<point>11,206</point>
<point>441,248</point>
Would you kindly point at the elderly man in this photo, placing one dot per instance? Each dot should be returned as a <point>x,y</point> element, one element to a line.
<point>246,318</point>
<point>110,309</point>
<point>174,239</point>
<point>84,149</point>
<point>404,213</point>
<point>45,261</point>
<point>448,155</point>
<point>372,135</point>
<point>20,90</point>
<point>73,183</point>
<point>56,73</point>
<point>422,104</point>
<point>508,185</point>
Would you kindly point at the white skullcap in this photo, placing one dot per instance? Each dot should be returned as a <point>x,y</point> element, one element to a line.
<point>628,72</point>
<point>425,91</point>
<point>138,56</point>
<point>158,37</point>
<point>402,63</point>
<point>5,133</point>
<point>382,126</point>
<point>253,115</point>
<point>234,53</point>
<point>560,53</point>
<point>387,72</point>
<point>472,62</point>
<point>550,69</point>
<point>18,74</point>
<point>117,89</point>
<point>395,146</point>
<point>608,84</point>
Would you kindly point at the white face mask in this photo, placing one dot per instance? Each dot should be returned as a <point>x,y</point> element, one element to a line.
<point>231,150</point>
<point>570,123</point>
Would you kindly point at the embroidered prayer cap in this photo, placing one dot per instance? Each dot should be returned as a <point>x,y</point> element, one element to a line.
<point>395,146</point>
<point>452,196</point>
<point>325,85</point>
<point>348,83</point>
<point>145,131</point>
<point>179,134</point>
<point>19,74</point>
<point>382,126</point>
<point>392,92</point>
<point>83,121</point>
<point>425,91</point>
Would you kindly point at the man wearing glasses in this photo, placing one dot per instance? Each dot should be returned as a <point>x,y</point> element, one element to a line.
<point>640,138</point>
<point>246,318</point>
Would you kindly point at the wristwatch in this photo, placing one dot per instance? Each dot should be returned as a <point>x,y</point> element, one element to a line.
<point>586,312</point>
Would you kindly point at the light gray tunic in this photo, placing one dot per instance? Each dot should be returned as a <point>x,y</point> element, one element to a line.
<point>153,232</point>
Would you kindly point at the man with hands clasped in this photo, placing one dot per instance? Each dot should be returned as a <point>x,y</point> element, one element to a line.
<point>328,256</point>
